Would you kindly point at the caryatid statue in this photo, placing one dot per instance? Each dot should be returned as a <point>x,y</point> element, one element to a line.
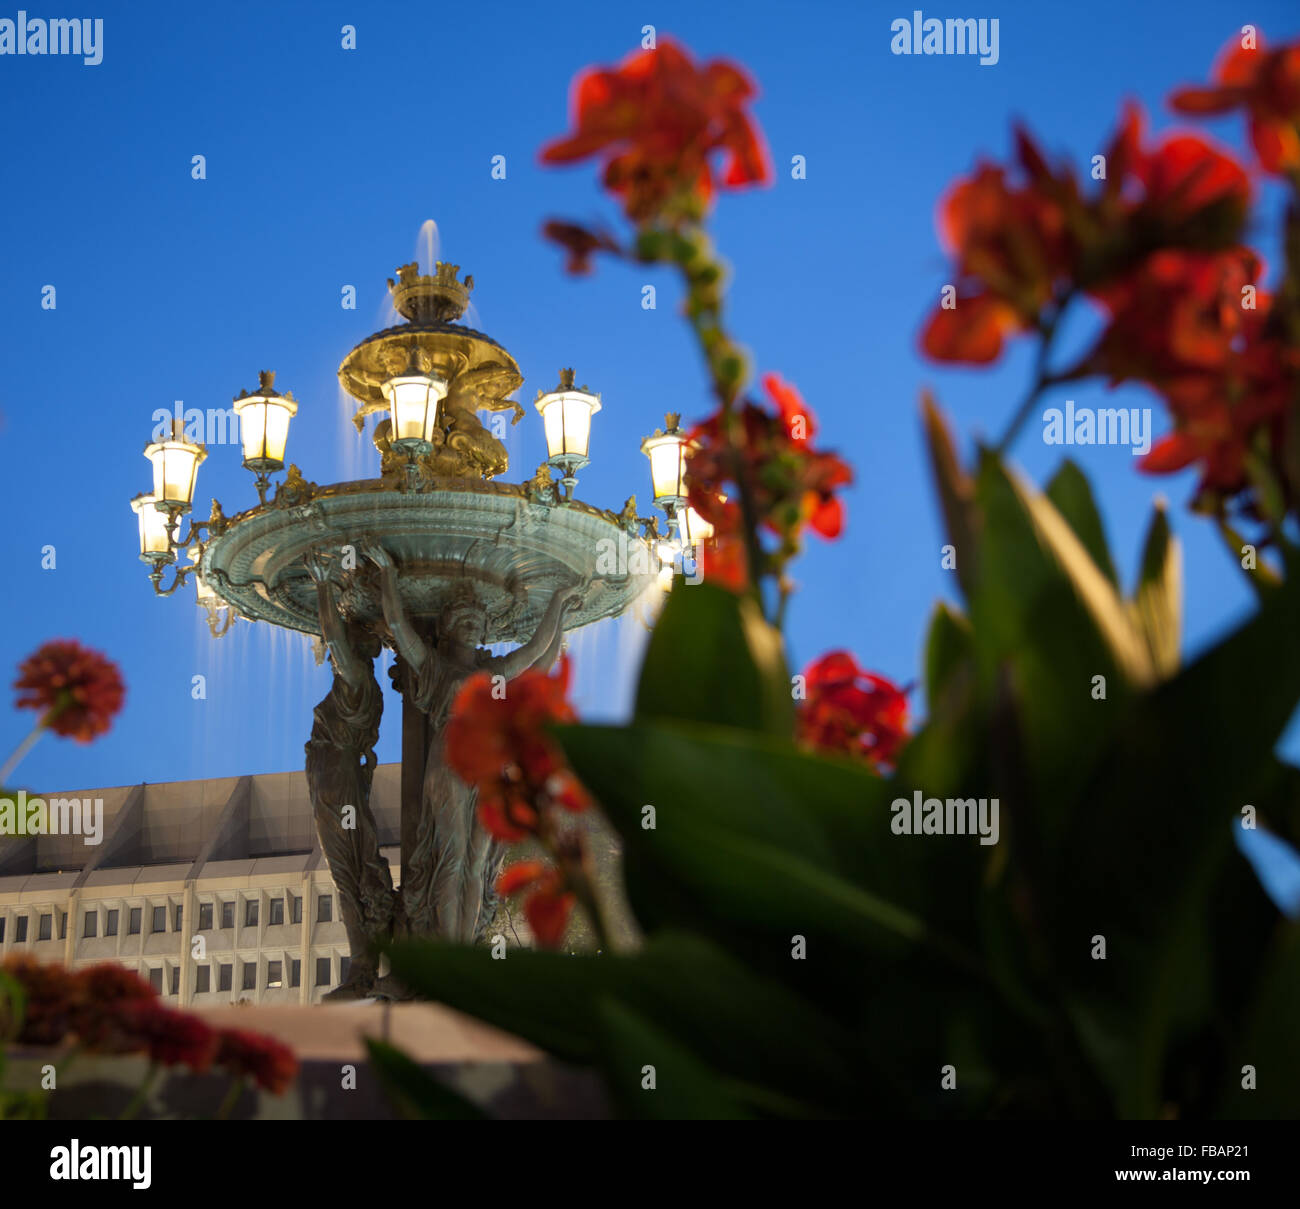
<point>340,766</point>
<point>448,872</point>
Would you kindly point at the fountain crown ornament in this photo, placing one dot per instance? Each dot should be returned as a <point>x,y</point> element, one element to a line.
<point>424,299</point>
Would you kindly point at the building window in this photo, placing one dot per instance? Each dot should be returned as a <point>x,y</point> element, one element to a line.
<point>274,974</point>
<point>20,929</point>
<point>63,925</point>
<point>250,976</point>
<point>324,909</point>
<point>2,929</point>
<point>345,964</point>
<point>133,921</point>
<point>322,971</point>
<point>92,924</point>
<point>205,917</point>
<point>295,972</point>
<point>228,914</point>
<point>155,978</point>
<point>250,913</point>
<point>110,924</point>
<point>159,919</point>
<point>224,973</point>
<point>45,928</point>
<point>295,908</point>
<point>277,911</point>
<point>203,980</point>
<point>176,980</point>
<point>180,917</point>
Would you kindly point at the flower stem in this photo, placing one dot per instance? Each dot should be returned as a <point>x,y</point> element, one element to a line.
<point>21,750</point>
<point>231,1097</point>
<point>141,1094</point>
<point>1042,379</point>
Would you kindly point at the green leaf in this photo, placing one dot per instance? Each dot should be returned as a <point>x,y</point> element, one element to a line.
<point>949,657</point>
<point>956,493</point>
<point>1269,1043</point>
<point>685,1088</point>
<point>749,834</point>
<point>1158,601</point>
<point>1070,491</point>
<point>1040,551</point>
<point>1141,862</point>
<point>415,1093</point>
<point>693,990</point>
<point>713,658</point>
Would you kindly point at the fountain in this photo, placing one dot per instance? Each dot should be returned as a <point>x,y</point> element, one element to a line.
<point>436,559</point>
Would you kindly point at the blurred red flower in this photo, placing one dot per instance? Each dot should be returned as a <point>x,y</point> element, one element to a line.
<point>579,242</point>
<point>655,120</point>
<point>51,995</point>
<point>852,711</point>
<point>269,1063</point>
<point>1266,84</point>
<point>790,483</point>
<point>500,745</point>
<point>169,1037</point>
<point>548,904</point>
<point>1178,312</point>
<point>79,691</point>
<point>1019,247</point>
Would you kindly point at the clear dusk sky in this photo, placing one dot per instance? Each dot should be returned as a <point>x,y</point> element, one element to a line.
<point>321,165</point>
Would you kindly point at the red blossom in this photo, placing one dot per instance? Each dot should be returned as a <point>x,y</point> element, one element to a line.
<point>77,690</point>
<point>500,745</point>
<point>169,1037</point>
<point>852,711</point>
<point>51,995</point>
<point>269,1063</point>
<point>655,120</point>
<point>579,242</point>
<point>792,486</point>
<point>1024,239</point>
<point>1266,85</point>
<point>549,902</point>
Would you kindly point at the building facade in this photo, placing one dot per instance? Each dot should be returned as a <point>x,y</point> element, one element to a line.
<point>214,891</point>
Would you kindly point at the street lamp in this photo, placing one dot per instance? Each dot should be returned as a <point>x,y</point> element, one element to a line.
<point>175,468</point>
<point>155,538</point>
<point>413,399</point>
<point>264,428</point>
<point>566,415</point>
<point>667,449</point>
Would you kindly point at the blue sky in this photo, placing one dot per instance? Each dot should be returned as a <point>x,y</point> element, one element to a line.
<point>322,164</point>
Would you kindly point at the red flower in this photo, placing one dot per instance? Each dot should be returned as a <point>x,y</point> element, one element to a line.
<point>549,902</point>
<point>1219,411</point>
<point>269,1063</point>
<point>852,711</point>
<point>78,690</point>
<point>655,120</point>
<point>170,1038</point>
<point>791,484</point>
<point>1179,312</point>
<point>51,999</point>
<point>103,990</point>
<point>1020,247</point>
<point>1266,84</point>
<point>579,242</point>
<point>500,745</point>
